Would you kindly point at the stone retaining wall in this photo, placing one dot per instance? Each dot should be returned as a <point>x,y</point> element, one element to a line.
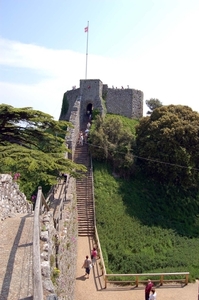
<point>59,248</point>
<point>67,254</point>
<point>12,201</point>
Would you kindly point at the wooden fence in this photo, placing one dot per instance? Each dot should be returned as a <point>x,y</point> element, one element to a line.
<point>137,278</point>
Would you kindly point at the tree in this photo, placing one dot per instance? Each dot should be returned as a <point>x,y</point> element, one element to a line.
<point>113,142</point>
<point>32,144</point>
<point>168,145</point>
<point>153,104</point>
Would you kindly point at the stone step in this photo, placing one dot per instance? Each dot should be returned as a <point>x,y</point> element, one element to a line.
<point>86,211</point>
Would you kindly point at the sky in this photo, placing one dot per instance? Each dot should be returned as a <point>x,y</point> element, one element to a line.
<point>148,45</point>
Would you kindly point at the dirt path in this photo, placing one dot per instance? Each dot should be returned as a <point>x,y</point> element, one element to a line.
<point>93,288</point>
<point>16,257</point>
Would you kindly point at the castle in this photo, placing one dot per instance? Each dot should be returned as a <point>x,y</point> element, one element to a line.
<point>93,94</point>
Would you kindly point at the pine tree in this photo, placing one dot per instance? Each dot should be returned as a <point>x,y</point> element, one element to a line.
<point>32,144</point>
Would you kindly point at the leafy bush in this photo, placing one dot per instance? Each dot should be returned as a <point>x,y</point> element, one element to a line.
<point>112,139</point>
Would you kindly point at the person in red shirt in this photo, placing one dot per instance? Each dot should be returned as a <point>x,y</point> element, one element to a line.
<point>94,256</point>
<point>148,289</point>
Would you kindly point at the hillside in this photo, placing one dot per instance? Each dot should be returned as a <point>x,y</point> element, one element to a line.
<point>144,226</point>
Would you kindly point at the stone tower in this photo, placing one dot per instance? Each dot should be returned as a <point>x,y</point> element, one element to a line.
<point>91,96</point>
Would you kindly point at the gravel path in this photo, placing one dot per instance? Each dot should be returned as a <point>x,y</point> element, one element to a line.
<point>93,288</point>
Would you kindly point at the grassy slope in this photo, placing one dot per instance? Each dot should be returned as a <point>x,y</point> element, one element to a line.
<point>130,123</point>
<point>144,227</point>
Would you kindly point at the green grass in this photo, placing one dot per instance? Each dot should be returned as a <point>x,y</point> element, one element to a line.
<point>127,123</point>
<point>144,226</point>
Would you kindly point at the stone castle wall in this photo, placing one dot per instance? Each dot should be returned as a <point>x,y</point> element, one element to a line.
<point>73,132</point>
<point>125,102</point>
<point>91,93</point>
<point>70,97</point>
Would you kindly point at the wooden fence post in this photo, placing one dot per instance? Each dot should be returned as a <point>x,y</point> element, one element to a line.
<point>186,279</point>
<point>136,281</point>
<point>161,279</point>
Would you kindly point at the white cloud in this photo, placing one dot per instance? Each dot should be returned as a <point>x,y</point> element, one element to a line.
<point>49,61</point>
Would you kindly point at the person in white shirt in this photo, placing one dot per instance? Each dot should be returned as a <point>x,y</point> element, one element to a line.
<point>153,295</point>
<point>87,266</point>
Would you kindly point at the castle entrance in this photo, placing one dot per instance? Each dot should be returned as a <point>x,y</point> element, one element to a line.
<point>89,110</point>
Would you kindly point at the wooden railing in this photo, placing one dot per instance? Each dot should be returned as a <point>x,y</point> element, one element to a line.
<point>136,278</point>
<point>102,264</point>
<point>37,278</point>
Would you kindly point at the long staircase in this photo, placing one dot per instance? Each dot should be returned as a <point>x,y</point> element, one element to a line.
<point>84,194</point>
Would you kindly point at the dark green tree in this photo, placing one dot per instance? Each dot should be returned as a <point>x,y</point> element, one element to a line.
<point>168,144</point>
<point>153,104</point>
<point>32,143</point>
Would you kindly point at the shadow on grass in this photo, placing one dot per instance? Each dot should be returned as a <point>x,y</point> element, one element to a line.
<point>154,204</point>
<point>145,226</point>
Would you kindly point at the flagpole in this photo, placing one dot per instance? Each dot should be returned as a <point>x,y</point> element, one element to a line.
<point>87,50</point>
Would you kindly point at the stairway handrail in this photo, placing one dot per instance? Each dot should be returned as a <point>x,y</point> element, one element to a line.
<point>95,227</point>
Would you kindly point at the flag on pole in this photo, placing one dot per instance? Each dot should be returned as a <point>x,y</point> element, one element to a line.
<point>86,30</point>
